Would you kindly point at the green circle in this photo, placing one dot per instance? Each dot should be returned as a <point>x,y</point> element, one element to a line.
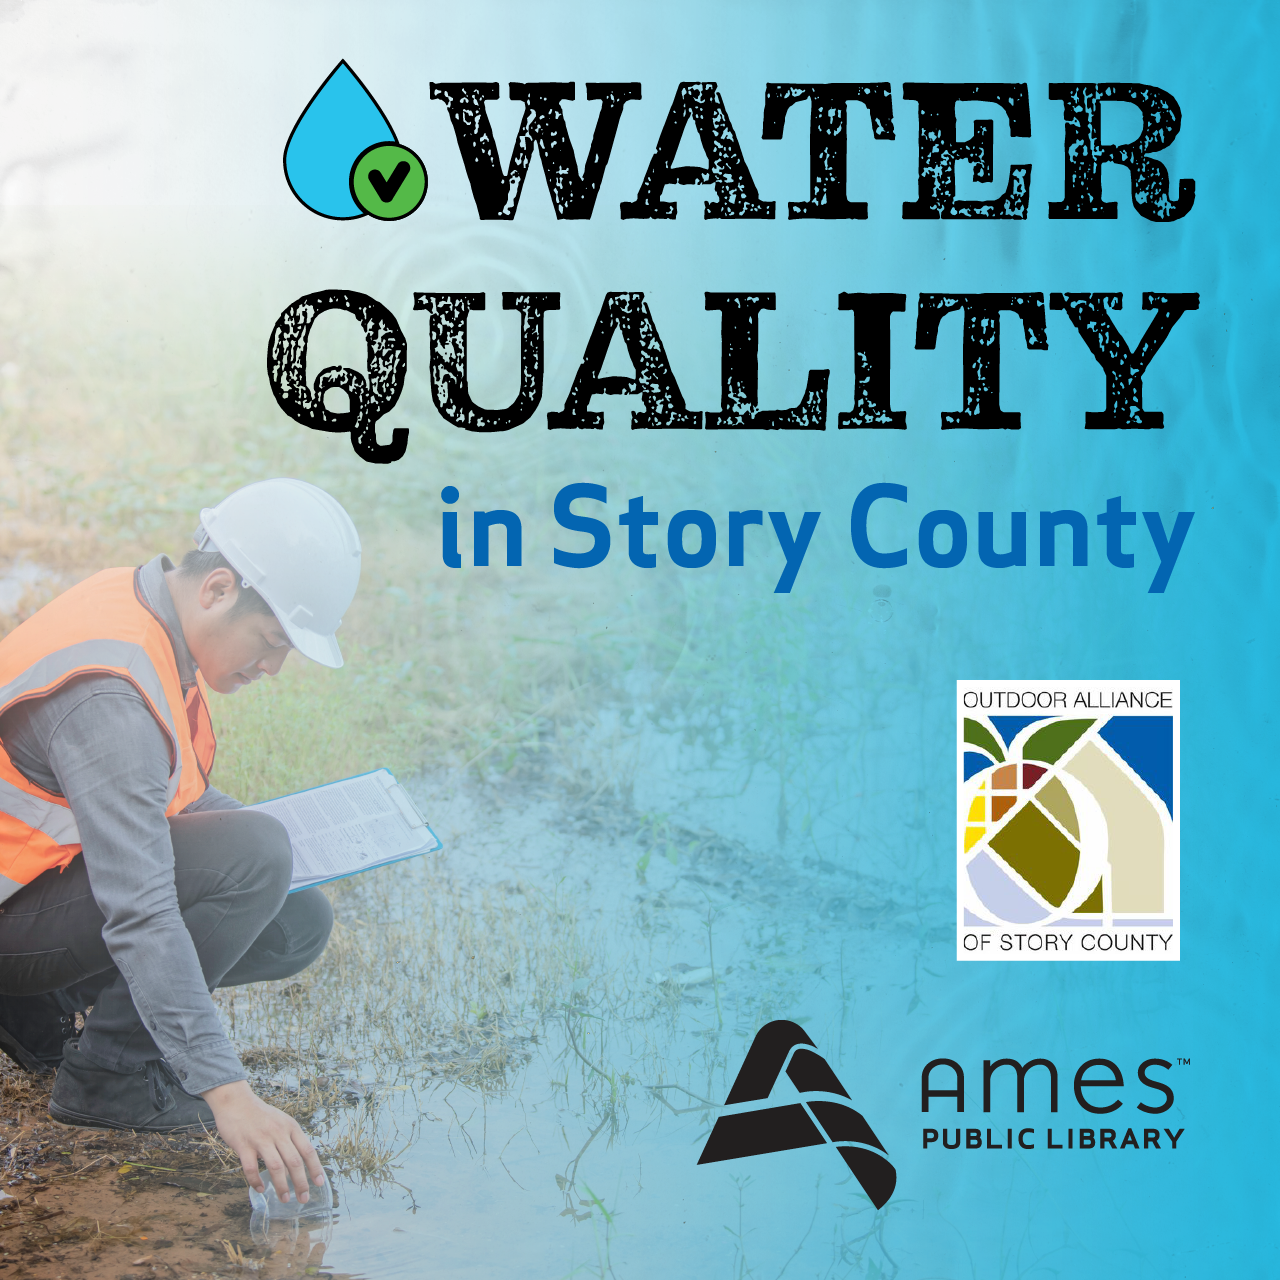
<point>388,181</point>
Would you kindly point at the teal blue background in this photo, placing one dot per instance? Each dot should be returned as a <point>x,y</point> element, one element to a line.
<point>1203,1210</point>
<point>187,148</point>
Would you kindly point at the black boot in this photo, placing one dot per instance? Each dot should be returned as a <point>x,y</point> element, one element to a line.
<point>149,1100</point>
<point>33,1029</point>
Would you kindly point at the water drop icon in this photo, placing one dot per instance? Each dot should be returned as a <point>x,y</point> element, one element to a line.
<point>340,123</point>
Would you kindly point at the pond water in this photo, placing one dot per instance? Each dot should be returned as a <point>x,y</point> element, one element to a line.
<point>586,1162</point>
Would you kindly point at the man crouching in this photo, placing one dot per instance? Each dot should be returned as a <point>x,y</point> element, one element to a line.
<point>127,882</point>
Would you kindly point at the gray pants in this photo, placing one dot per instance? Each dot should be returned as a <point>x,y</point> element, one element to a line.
<point>231,870</point>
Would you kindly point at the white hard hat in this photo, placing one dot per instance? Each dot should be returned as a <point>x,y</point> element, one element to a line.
<point>295,546</point>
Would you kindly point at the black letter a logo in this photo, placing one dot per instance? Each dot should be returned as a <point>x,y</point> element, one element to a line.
<point>808,1123</point>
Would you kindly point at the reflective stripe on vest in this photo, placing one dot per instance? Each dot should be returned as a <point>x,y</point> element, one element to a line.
<point>102,626</point>
<point>55,820</point>
<point>113,657</point>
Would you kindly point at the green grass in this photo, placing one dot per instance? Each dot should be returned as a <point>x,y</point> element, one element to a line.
<point>108,450</point>
<point>109,447</point>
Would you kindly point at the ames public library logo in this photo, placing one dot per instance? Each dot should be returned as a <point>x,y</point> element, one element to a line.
<point>1107,1105</point>
<point>822,1115</point>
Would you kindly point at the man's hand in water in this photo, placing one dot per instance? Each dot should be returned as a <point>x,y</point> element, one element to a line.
<point>257,1131</point>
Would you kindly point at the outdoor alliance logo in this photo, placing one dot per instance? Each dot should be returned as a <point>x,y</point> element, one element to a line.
<point>343,160</point>
<point>1067,820</point>
<point>818,1118</point>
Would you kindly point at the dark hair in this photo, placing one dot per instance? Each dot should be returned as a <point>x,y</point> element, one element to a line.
<point>199,564</point>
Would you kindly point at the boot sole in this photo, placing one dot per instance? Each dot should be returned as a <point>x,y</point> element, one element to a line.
<point>75,1119</point>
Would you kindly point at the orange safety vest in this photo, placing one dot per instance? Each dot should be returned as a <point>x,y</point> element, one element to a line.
<point>103,626</point>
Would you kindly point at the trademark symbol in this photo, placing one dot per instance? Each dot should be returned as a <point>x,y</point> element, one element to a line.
<point>1184,1062</point>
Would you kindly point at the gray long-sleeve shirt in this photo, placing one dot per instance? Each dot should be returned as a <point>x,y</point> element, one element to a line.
<point>95,742</point>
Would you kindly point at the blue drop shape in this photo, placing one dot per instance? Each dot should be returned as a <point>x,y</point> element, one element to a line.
<point>339,122</point>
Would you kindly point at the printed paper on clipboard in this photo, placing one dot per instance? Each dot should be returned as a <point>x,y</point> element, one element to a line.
<point>350,826</point>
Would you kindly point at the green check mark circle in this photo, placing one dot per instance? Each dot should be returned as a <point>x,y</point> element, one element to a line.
<point>388,181</point>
